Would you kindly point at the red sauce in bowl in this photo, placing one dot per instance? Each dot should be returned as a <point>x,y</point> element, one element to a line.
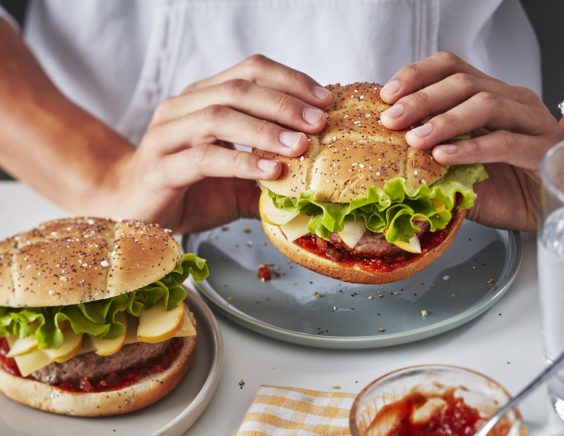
<point>454,418</point>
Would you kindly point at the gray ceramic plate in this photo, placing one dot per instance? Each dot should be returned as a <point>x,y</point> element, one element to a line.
<point>304,307</point>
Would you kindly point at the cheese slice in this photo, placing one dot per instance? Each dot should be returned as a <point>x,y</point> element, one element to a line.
<point>30,362</point>
<point>296,228</point>
<point>353,232</point>
<point>187,329</point>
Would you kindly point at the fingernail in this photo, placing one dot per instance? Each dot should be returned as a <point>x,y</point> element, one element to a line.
<point>391,87</point>
<point>321,93</point>
<point>448,148</point>
<point>423,130</point>
<point>395,111</point>
<point>290,139</point>
<point>267,166</point>
<point>312,116</point>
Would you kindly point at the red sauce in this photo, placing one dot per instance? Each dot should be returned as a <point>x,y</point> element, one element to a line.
<point>455,418</point>
<point>263,273</point>
<point>428,240</point>
<point>7,364</point>
<point>112,381</point>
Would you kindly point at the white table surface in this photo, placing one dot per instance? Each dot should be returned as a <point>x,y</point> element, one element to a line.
<point>504,343</point>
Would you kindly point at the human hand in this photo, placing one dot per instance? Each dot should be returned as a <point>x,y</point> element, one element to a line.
<point>511,127</point>
<point>186,174</point>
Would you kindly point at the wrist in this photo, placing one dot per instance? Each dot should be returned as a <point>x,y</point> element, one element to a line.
<point>108,192</point>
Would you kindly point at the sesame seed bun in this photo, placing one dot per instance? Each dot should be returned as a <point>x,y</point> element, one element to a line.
<point>353,153</point>
<point>76,260</point>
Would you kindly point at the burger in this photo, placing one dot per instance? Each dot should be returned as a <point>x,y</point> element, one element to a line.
<point>92,316</point>
<point>360,205</point>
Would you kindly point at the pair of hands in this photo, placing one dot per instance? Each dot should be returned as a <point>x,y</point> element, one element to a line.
<point>186,174</point>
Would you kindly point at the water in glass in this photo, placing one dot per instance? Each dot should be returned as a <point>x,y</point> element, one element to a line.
<point>551,285</point>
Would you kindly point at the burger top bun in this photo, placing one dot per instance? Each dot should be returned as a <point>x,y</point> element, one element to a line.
<point>354,152</point>
<point>76,260</point>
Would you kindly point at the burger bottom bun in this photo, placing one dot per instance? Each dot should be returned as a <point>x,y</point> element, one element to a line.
<point>115,402</point>
<point>356,273</point>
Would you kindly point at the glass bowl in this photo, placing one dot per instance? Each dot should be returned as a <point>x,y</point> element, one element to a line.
<point>428,399</point>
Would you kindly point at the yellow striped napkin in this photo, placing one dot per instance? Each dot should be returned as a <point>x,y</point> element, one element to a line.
<point>283,411</point>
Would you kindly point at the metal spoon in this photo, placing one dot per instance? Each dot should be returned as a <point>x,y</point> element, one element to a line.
<point>549,370</point>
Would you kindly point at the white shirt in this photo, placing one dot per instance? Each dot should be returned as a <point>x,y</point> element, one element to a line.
<point>119,59</point>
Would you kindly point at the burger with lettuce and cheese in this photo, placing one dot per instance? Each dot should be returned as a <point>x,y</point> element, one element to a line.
<point>360,205</point>
<point>92,316</point>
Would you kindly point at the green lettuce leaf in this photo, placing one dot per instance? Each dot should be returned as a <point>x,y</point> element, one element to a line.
<point>99,318</point>
<point>393,209</point>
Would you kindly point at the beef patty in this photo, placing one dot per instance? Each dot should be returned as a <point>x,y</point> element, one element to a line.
<point>93,367</point>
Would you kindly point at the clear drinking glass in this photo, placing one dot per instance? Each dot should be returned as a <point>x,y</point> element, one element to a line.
<point>551,266</point>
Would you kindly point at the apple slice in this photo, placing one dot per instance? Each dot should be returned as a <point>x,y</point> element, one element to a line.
<point>107,347</point>
<point>271,214</point>
<point>158,324</point>
<point>413,246</point>
<point>72,344</point>
<point>22,346</point>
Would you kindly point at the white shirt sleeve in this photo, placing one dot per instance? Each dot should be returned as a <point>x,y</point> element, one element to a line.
<point>11,21</point>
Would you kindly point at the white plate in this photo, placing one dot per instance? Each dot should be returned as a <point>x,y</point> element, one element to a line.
<point>171,416</point>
